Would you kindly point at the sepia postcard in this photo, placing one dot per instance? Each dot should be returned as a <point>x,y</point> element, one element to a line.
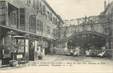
<point>56,36</point>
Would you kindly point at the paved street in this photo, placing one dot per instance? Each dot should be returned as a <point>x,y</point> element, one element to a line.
<point>62,64</point>
<point>72,58</point>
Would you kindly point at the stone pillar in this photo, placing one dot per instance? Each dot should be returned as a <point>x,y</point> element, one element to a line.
<point>66,47</point>
<point>51,48</point>
<point>43,51</point>
<point>0,63</point>
<point>108,43</point>
<point>112,47</point>
<point>27,49</point>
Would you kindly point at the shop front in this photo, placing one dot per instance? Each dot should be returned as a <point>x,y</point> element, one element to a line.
<point>13,47</point>
<point>17,47</point>
<point>5,46</point>
<point>22,49</point>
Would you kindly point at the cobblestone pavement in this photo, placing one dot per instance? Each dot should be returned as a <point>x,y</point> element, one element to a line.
<point>64,64</point>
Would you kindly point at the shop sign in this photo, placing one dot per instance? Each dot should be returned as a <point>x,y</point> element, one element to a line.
<point>19,56</point>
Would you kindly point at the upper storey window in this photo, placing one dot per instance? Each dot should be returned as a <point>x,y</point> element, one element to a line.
<point>2,12</point>
<point>28,2</point>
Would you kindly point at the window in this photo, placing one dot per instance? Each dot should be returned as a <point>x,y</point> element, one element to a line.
<point>51,16</point>
<point>22,19</point>
<point>34,4</point>
<point>48,29</point>
<point>32,23</point>
<point>21,45</point>
<point>2,12</point>
<point>28,2</point>
<point>41,8</point>
<point>2,4</point>
<point>2,15</point>
<point>38,6</point>
<point>44,10</point>
<point>12,15</point>
<point>54,20</point>
<point>39,26</point>
<point>48,14</point>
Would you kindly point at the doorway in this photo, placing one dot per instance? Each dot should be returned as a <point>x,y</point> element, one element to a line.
<point>31,50</point>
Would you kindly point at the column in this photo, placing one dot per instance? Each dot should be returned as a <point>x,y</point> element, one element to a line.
<point>27,49</point>
<point>35,50</point>
<point>108,43</point>
<point>112,47</point>
<point>66,47</point>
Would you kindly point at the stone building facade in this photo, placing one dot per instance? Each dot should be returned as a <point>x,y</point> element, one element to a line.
<point>26,25</point>
<point>108,13</point>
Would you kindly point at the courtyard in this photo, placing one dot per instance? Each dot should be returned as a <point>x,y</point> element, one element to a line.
<point>62,64</point>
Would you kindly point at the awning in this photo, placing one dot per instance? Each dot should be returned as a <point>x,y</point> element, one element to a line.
<point>17,36</point>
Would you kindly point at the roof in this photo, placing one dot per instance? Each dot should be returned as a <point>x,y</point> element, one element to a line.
<point>17,3</point>
<point>53,11</point>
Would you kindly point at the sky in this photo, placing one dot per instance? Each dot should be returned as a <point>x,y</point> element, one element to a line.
<point>71,9</point>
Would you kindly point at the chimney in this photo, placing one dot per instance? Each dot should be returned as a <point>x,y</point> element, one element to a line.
<point>105,4</point>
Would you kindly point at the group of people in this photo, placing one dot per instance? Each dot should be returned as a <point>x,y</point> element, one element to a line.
<point>74,52</point>
<point>40,52</point>
<point>97,53</point>
<point>91,52</point>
